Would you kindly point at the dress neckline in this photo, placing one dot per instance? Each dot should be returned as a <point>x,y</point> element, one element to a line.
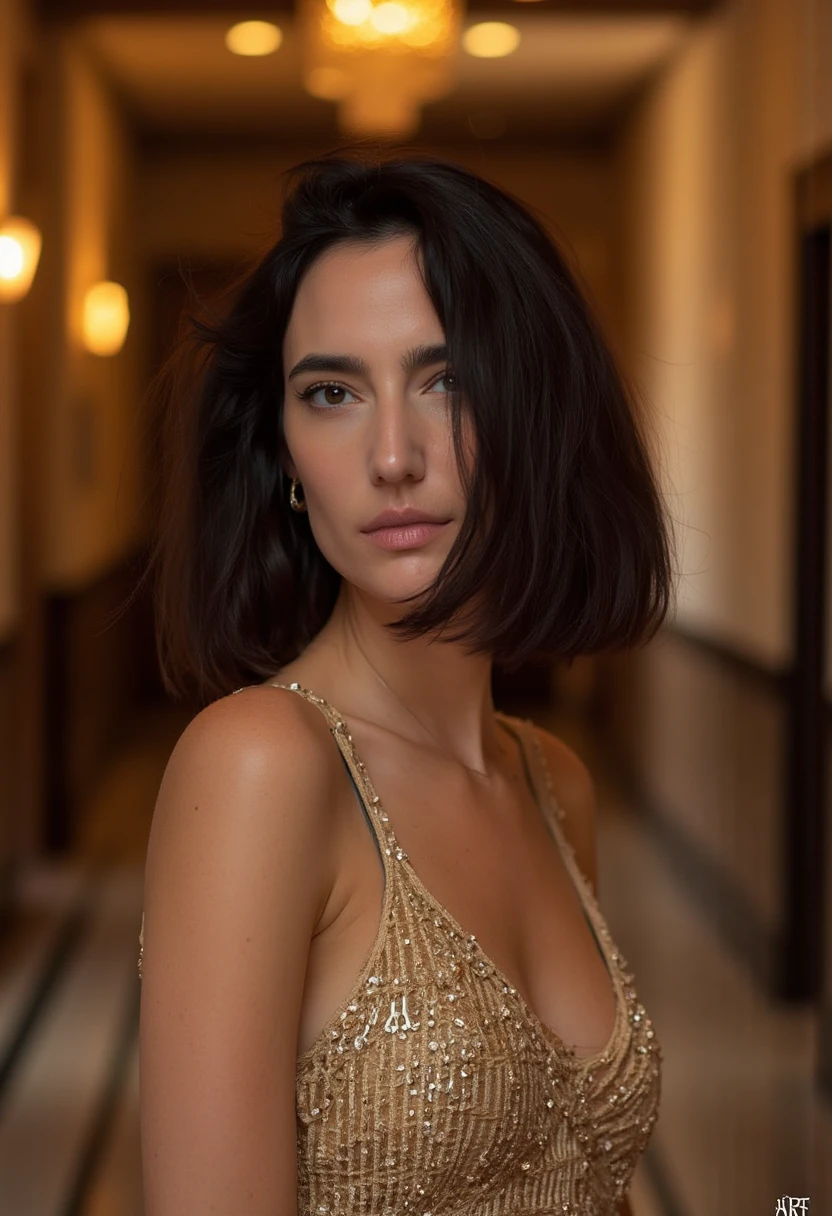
<point>551,815</point>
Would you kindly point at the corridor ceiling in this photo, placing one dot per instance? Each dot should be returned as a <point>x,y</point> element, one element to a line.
<point>576,68</point>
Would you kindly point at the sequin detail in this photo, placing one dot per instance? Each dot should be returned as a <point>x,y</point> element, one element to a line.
<point>436,1090</point>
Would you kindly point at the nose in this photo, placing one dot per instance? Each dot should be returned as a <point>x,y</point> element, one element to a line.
<point>397,444</point>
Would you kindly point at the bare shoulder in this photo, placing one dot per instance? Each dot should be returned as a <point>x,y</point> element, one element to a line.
<point>258,733</point>
<point>237,873</point>
<point>251,760</point>
<point>575,791</point>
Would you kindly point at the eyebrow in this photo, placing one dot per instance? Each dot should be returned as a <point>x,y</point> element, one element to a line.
<point>411,360</point>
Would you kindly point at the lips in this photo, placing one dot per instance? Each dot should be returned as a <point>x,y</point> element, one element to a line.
<point>391,518</point>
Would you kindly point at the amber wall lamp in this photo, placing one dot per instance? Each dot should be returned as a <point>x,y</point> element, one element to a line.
<point>20,243</point>
<point>106,318</point>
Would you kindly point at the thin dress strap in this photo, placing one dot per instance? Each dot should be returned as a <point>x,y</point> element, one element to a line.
<point>524,731</point>
<point>554,815</point>
<point>369,800</point>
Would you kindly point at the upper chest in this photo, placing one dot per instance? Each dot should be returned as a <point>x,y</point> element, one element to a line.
<point>489,865</point>
<point>485,851</point>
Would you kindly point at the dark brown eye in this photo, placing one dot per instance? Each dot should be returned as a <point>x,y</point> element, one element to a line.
<point>328,387</point>
<point>447,376</point>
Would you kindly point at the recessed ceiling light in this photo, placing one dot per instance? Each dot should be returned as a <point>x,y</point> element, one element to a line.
<point>253,38</point>
<point>491,39</point>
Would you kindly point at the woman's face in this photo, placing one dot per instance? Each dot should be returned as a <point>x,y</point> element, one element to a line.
<point>372,431</point>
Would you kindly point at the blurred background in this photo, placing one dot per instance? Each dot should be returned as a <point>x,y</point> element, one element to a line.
<point>682,154</point>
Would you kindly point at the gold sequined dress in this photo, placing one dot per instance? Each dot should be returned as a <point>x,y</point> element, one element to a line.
<point>434,1089</point>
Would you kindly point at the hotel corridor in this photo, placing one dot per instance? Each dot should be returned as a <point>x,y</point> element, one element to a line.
<point>678,153</point>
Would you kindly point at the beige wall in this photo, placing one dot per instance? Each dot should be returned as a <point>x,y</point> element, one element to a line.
<point>704,175</point>
<point>93,439</point>
<point>810,32</point>
<point>706,172</point>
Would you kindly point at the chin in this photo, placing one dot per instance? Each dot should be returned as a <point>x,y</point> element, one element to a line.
<point>403,578</point>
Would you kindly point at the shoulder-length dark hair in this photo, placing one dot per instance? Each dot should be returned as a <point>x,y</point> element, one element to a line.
<point>576,555</point>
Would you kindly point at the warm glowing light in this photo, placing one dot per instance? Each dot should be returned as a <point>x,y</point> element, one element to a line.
<point>12,260</point>
<point>381,62</point>
<point>385,113</point>
<point>106,318</point>
<point>352,12</point>
<point>390,17</point>
<point>491,39</point>
<point>330,84</point>
<point>334,29</point>
<point>253,38</point>
<point>20,243</point>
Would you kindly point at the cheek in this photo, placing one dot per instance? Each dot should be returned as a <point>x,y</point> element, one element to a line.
<point>328,495</point>
<point>314,452</point>
<point>329,478</point>
<point>328,473</point>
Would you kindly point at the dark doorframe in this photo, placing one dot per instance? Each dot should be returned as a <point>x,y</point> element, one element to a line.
<point>805,790</point>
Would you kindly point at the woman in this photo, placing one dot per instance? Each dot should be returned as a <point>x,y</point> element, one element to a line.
<point>375,977</point>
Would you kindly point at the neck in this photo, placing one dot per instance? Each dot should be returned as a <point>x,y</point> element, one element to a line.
<point>407,683</point>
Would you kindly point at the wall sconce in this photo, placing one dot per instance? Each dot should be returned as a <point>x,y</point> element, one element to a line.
<point>20,243</point>
<point>106,318</point>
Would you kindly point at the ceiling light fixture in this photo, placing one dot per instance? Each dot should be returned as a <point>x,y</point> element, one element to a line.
<point>382,61</point>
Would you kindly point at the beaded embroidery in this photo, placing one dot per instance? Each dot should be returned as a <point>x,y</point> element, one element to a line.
<point>436,1090</point>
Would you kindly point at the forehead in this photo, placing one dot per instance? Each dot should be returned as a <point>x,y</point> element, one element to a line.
<point>357,294</point>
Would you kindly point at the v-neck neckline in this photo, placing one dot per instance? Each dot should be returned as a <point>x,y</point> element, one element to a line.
<point>376,809</point>
<point>551,817</point>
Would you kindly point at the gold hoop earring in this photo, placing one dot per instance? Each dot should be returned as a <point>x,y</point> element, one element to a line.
<point>295,503</point>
